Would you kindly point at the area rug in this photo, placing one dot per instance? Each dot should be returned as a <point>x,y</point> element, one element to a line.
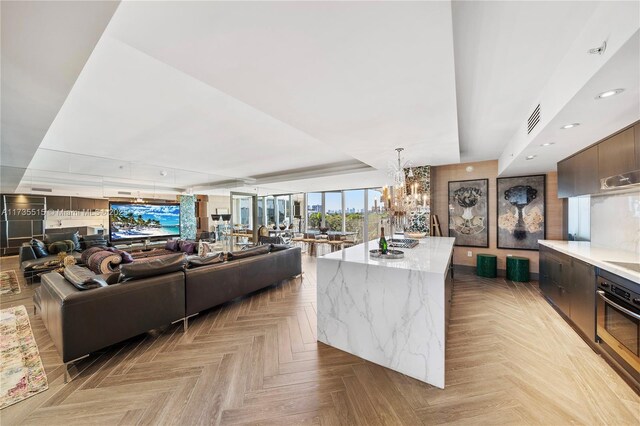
<point>9,282</point>
<point>21,371</point>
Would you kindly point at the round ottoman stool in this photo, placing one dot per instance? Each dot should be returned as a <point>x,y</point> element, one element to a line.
<point>518,269</point>
<point>487,265</point>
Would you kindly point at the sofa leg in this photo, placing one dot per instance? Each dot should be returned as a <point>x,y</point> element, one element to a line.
<point>67,374</point>
<point>185,322</point>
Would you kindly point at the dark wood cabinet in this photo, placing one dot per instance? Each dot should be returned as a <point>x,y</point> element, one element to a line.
<point>101,203</point>
<point>583,298</point>
<point>586,179</point>
<point>570,285</point>
<point>580,174</point>
<point>566,180</point>
<point>616,155</point>
<point>78,203</point>
<point>58,203</point>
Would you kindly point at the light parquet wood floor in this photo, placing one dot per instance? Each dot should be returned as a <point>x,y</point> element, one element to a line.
<point>510,360</point>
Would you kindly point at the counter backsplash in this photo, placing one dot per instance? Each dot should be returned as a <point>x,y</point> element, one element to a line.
<point>615,221</point>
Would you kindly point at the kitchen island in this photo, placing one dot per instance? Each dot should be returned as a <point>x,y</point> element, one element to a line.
<point>390,312</point>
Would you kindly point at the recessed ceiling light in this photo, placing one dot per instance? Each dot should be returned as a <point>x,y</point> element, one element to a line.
<point>547,144</point>
<point>609,93</point>
<point>569,126</point>
<point>530,157</point>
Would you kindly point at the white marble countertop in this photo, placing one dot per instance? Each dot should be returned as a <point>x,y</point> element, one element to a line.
<point>598,256</point>
<point>430,255</point>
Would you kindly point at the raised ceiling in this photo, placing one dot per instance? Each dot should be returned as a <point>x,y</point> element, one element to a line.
<point>301,96</point>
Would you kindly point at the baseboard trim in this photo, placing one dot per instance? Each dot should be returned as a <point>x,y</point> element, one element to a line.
<point>501,272</point>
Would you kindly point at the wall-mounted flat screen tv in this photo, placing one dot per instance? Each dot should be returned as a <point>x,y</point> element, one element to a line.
<point>128,221</point>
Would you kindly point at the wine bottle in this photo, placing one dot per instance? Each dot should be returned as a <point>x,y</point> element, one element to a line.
<point>382,244</point>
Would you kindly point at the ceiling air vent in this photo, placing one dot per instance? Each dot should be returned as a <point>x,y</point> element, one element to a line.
<point>124,193</point>
<point>42,189</point>
<point>533,119</point>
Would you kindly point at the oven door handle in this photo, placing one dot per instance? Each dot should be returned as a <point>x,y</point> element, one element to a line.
<point>615,305</point>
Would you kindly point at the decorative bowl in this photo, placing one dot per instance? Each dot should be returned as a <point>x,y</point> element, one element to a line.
<point>283,227</point>
<point>323,229</point>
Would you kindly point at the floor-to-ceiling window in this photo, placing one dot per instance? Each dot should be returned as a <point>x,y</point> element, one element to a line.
<point>271,211</point>
<point>284,209</point>
<point>333,211</point>
<point>242,216</point>
<point>314,210</point>
<point>260,211</point>
<point>354,214</point>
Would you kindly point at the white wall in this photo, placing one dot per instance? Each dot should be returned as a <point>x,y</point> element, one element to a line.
<point>615,221</point>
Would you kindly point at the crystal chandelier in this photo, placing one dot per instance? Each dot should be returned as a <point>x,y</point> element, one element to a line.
<point>404,195</point>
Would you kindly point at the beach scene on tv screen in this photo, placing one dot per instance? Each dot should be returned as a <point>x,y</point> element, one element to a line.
<point>144,220</point>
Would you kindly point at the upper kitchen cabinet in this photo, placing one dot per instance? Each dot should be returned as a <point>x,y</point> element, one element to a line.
<point>617,154</point>
<point>581,173</point>
<point>82,203</point>
<point>58,203</point>
<point>578,175</point>
<point>101,203</point>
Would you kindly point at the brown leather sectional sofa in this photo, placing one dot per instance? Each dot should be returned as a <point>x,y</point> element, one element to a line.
<point>81,322</point>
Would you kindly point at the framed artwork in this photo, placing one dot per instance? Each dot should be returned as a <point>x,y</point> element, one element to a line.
<point>469,212</point>
<point>521,212</point>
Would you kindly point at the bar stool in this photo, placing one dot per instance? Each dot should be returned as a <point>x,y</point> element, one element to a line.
<point>518,269</point>
<point>487,265</point>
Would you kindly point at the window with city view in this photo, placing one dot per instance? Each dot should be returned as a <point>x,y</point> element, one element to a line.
<point>314,210</point>
<point>354,214</point>
<point>333,211</point>
<point>376,213</point>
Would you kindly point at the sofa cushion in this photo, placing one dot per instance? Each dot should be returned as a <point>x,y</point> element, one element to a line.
<point>63,236</point>
<point>103,261</point>
<point>253,251</point>
<point>95,240</point>
<point>171,245</point>
<point>86,254</point>
<point>196,261</point>
<point>39,248</point>
<point>156,266</point>
<point>82,278</point>
<point>64,246</point>
<point>187,246</point>
<point>279,247</point>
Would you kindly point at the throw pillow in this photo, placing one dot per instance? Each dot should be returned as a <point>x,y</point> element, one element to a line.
<point>204,248</point>
<point>39,248</point>
<point>64,236</point>
<point>126,256</point>
<point>158,266</point>
<point>86,254</point>
<point>171,245</point>
<point>82,278</point>
<point>254,251</point>
<point>65,246</point>
<point>196,261</point>
<point>187,247</point>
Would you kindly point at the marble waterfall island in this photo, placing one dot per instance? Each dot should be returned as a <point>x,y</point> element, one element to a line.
<point>390,312</point>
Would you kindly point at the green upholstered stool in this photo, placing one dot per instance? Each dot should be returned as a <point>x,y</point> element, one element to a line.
<point>487,265</point>
<point>517,269</point>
